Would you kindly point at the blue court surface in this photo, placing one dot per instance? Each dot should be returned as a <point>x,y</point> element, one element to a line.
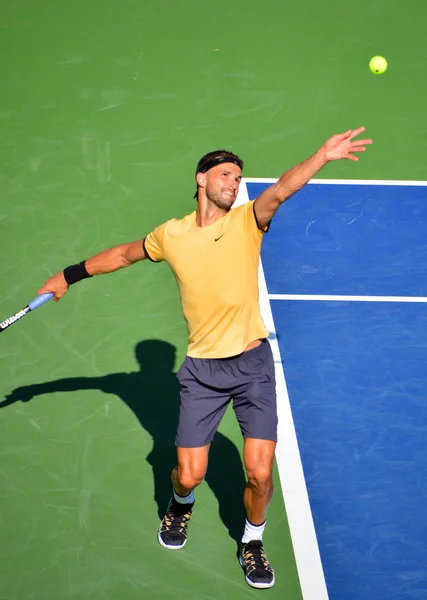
<point>346,271</point>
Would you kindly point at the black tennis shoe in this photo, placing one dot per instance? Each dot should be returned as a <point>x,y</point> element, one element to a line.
<point>172,533</point>
<point>258,571</point>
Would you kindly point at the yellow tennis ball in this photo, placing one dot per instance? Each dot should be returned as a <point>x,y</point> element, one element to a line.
<point>378,65</point>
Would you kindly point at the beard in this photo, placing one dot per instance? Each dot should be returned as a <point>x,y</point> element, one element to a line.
<point>221,199</point>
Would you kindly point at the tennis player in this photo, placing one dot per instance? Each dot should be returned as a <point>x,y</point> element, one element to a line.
<point>214,254</point>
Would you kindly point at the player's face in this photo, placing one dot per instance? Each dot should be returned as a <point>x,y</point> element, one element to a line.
<point>222,184</point>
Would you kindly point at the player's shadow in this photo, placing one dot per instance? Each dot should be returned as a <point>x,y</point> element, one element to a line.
<point>152,393</point>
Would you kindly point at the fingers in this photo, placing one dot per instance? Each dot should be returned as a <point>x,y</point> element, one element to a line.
<point>45,290</point>
<point>344,136</point>
<point>352,133</point>
<point>356,132</point>
<point>361,142</point>
<point>48,290</point>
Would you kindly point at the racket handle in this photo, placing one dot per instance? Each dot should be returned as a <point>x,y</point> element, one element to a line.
<point>39,300</point>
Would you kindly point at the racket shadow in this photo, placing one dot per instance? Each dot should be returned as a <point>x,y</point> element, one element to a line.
<point>152,393</point>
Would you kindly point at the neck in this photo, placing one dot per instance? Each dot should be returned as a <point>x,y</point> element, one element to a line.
<point>207,212</point>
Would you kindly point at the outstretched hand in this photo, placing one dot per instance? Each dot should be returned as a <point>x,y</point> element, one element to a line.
<point>343,145</point>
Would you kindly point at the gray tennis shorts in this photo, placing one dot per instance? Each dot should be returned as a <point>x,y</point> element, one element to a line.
<point>208,386</point>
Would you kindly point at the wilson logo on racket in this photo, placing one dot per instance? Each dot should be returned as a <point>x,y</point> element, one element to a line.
<point>11,320</point>
<point>38,301</point>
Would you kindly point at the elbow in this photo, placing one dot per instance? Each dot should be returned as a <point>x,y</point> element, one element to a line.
<point>132,253</point>
<point>126,259</point>
<point>284,191</point>
<point>124,262</point>
<point>279,193</point>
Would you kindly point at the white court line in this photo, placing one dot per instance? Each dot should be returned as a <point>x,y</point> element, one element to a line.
<point>292,481</point>
<point>343,181</point>
<point>338,298</point>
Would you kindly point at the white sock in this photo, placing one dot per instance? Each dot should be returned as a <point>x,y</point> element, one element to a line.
<point>184,499</point>
<point>252,532</point>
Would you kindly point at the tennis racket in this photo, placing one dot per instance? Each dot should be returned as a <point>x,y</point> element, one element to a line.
<point>38,301</point>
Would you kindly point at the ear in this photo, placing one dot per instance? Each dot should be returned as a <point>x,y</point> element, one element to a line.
<point>201,179</point>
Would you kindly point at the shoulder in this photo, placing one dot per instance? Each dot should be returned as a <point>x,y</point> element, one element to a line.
<point>246,214</point>
<point>242,208</point>
<point>177,226</point>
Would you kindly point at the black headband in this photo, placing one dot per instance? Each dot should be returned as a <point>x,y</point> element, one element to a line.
<point>217,161</point>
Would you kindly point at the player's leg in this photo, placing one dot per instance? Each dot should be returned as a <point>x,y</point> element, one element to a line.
<point>201,410</point>
<point>255,408</point>
<point>258,460</point>
<point>190,471</point>
<point>258,456</point>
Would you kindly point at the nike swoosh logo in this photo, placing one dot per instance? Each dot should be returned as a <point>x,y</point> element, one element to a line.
<point>218,238</point>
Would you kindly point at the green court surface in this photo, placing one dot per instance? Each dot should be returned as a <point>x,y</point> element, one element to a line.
<point>104,111</point>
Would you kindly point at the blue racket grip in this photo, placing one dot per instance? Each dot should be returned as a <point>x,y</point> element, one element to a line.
<point>39,300</point>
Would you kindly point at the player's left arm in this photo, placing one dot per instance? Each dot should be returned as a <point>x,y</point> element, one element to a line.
<point>339,146</point>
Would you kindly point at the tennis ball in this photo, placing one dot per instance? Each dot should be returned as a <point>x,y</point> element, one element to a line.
<point>378,65</point>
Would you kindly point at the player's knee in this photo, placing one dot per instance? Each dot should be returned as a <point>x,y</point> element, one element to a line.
<point>191,478</point>
<point>260,479</point>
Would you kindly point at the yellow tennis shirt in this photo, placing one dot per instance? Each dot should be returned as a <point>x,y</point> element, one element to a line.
<point>216,268</point>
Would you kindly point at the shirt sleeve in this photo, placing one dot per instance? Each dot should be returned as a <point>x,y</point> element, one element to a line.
<point>250,219</point>
<point>154,244</point>
<point>262,229</point>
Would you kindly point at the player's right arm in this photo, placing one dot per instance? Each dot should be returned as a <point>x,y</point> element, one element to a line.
<point>106,261</point>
